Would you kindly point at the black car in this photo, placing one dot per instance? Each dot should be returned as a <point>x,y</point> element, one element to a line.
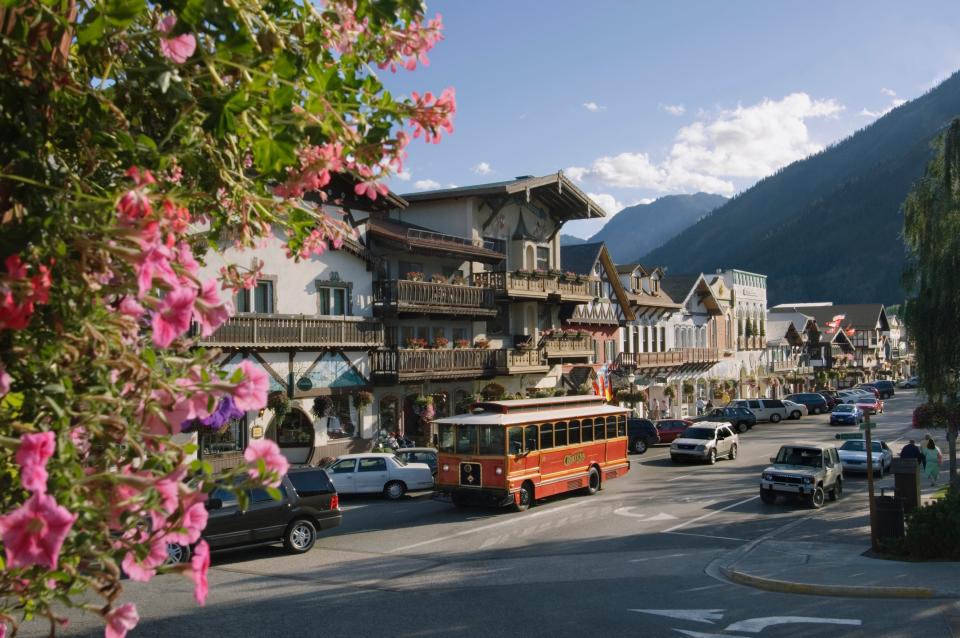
<point>642,433</point>
<point>885,388</point>
<point>816,403</point>
<point>308,504</point>
<point>740,419</point>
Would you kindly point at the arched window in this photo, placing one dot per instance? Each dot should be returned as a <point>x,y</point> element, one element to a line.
<point>530,262</point>
<point>296,430</point>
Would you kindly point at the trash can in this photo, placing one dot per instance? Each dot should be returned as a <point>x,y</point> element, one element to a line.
<point>906,480</point>
<point>889,511</point>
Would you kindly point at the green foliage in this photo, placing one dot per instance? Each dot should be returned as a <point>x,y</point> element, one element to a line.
<point>933,531</point>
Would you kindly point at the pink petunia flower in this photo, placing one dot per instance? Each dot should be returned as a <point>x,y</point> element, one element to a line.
<point>32,456</point>
<point>194,520</point>
<point>131,308</point>
<point>251,392</point>
<point>34,532</point>
<point>5,381</point>
<point>173,317</point>
<point>120,620</point>
<point>199,565</point>
<point>177,49</point>
<point>143,570</point>
<point>267,451</point>
<point>210,311</point>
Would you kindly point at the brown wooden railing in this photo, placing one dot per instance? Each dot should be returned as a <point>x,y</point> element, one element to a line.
<point>650,359</point>
<point>427,296</point>
<point>534,285</point>
<point>294,331</point>
<point>423,363</point>
<point>782,366</point>
<point>567,346</point>
<point>522,360</point>
<point>701,355</point>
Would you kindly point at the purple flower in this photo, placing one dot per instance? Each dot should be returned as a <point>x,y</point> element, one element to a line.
<point>226,411</point>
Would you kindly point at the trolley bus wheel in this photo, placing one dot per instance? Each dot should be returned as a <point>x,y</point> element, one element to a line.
<point>525,499</point>
<point>593,482</point>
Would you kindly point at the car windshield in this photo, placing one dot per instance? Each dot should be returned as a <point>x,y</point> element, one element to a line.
<point>699,433</point>
<point>400,459</point>
<point>859,446</point>
<point>844,407</point>
<point>799,456</point>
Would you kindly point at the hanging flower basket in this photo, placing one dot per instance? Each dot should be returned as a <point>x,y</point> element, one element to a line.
<point>322,406</point>
<point>423,407</point>
<point>362,399</point>
<point>279,402</point>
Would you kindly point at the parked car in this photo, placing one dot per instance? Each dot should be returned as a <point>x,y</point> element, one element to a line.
<point>870,405</point>
<point>853,456</point>
<point>705,441</point>
<point>795,410</point>
<point>740,419</point>
<point>869,387</point>
<point>642,433</point>
<point>846,414</point>
<point>816,403</point>
<point>378,472</point>
<point>426,455</point>
<point>308,504</point>
<point>912,382</point>
<point>670,429</point>
<point>771,410</point>
<point>830,396</point>
<point>885,387</point>
<point>809,471</point>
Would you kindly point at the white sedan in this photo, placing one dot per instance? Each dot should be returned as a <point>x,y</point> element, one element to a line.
<point>795,410</point>
<point>378,472</point>
<point>853,456</point>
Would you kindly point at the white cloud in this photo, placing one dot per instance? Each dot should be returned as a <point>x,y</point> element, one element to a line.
<point>426,185</point>
<point>482,168</point>
<point>889,92</point>
<point>607,202</point>
<point>894,103</point>
<point>403,176</point>
<point>593,107</point>
<point>745,142</point>
<point>674,109</point>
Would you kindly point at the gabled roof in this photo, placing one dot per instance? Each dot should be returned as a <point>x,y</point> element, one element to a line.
<point>580,259</point>
<point>424,240</point>
<point>859,316</point>
<point>626,269</point>
<point>783,332</point>
<point>562,196</point>
<point>679,286</point>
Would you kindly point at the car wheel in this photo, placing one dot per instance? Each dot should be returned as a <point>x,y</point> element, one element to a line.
<point>837,490</point>
<point>177,554</point>
<point>300,536</point>
<point>768,496</point>
<point>593,481</point>
<point>774,418</point>
<point>712,457</point>
<point>742,427</point>
<point>815,500</point>
<point>674,458</point>
<point>394,490</point>
<point>733,452</point>
<point>795,415</point>
<point>526,497</point>
<point>639,446</point>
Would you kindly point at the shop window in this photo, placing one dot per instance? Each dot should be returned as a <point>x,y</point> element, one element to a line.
<point>296,430</point>
<point>259,299</point>
<point>339,422</point>
<point>389,414</point>
<point>232,438</point>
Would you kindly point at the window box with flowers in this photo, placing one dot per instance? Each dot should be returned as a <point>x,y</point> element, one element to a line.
<point>539,273</point>
<point>482,344</point>
<point>439,342</point>
<point>414,275</point>
<point>437,278</point>
<point>570,276</point>
<point>458,280</point>
<point>460,344</point>
<point>416,343</point>
<point>554,272</point>
<point>523,273</point>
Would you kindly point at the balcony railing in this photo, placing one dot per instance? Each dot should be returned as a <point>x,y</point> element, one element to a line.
<point>701,355</point>
<point>751,343</point>
<point>572,346</point>
<point>781,366</point>
<point>294,331</point>
<point>400,295</point>
<point>519,361</point>
<point>650,359</point>
<point>408,364</point>
<point>534,285</point>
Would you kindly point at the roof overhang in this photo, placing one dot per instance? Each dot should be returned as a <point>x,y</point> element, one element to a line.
<point>423,241</point>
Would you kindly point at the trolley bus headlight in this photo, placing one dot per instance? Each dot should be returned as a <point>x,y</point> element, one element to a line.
<point>446,468</point>
<point>498,471</point>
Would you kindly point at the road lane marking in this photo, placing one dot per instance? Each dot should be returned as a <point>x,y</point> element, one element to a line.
<point>707,616</point>
<point>641,560</point>
<point>709,514</point>
<point>756,625</point>
<point>725,538</point>
<point>625,511</point>
<point>678,478</point>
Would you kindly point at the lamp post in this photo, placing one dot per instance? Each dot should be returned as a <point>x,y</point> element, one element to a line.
<point>631,378</point>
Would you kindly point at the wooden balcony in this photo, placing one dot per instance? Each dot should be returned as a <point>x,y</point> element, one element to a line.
<point>407,364</point>
<point>293,332</point>
<point>400,296</point>
<point>672,358</point>
<point>533,285</point>
<point>527,361</point>
<point>567,346</point>
<point>701,355</point>
<point>781,366</point>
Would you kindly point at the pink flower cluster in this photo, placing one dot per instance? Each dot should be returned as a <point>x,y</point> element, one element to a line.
<point>177,49</point>
<point>408,46</point>
<point>316,165</point>
<point>431,114</point>
<point>20,292</point>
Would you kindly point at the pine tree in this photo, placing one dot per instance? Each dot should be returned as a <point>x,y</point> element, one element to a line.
<point>932,234</point>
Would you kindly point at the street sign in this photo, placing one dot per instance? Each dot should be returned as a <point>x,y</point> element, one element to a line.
<point>848,436</point>
<point>866,425</point>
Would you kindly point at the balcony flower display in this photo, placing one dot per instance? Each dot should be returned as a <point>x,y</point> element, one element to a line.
<point>461,344</point>
<point>439,342</point>
<point>416,343</point>
<point>437,278</point>
<point>555,272</point>
<point>523,273</point>
<point>458,280</point>
<point>414,275</point>
<point>540,272</point>
<point>483,344</point>
<point>423,407</point>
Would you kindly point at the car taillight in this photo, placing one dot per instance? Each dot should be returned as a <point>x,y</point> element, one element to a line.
<point>335,502</point>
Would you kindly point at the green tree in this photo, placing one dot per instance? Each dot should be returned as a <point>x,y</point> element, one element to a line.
<point>932,233</point>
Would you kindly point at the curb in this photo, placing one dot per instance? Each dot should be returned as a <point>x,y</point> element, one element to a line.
<point>854,591</point>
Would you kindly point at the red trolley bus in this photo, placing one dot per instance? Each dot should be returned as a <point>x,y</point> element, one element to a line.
<point>514,452</point>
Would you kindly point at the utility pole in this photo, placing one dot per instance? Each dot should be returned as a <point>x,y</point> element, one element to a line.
<point>874,541</point>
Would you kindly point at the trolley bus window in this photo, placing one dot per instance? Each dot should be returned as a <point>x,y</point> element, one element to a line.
<point>447,436</point>
<point>621,425</point>
<point>560,433</point>
<point>491,439</point>
<point>611,427</point>
<point>533,436</point>
<point>546,436</point>
<point>515,440</point>
<point>598,432</point>
<point>466,439</point>
<point>573,433</point>
<point>588,430</point>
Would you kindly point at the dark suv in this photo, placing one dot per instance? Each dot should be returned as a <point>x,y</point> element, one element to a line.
<point>309,504</point>
<point>816,403</point>
<point>642,434</point>
<point>740,419</point>
<point>884,387</point>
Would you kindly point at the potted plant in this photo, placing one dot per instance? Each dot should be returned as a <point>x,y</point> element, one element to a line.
<point>540,272</point>
<point>458,280</point>
<point>414,275</point>
<point>423,407</point>
<point>322,406</point>
<point>481,343</point>
<point>439,342</point>
<point>437,278</point>
<point>668,392</point>
<point>555,272</point>
<point>460,344</point>
<point>415,343</point>
<point>362,399</point>
<point>570,275</point>
<point>279,402</point>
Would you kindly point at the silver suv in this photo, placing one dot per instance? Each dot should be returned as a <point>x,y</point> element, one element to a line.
<point>705,441</point>
<point>809,471</point>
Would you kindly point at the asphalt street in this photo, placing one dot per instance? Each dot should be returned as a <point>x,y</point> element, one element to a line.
<point>631,560</point>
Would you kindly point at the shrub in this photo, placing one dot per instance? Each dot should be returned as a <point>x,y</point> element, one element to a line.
<point>933,531</point>
<point>935,415</point>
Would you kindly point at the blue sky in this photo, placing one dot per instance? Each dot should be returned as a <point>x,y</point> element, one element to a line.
<point>636,100</point>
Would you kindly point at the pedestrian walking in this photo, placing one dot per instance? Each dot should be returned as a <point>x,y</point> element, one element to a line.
<point>700,406</point>
<point>911,451</point>
<point>709,404</point>
<point>933,456</point>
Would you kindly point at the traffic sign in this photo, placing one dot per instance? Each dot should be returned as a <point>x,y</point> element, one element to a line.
<point>867,425</point>
<point>848,436</point>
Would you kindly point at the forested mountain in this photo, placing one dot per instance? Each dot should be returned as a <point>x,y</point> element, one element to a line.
<point>638,229</point>
<point>570,240</point>
<point>827,227</point>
